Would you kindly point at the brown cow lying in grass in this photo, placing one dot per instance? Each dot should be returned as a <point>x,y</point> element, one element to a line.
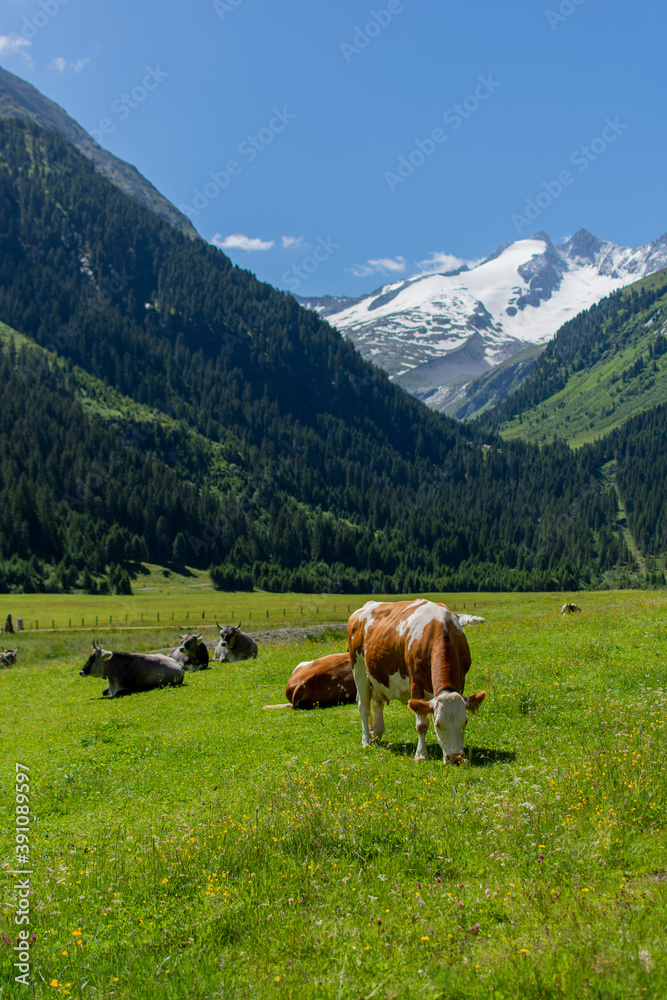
<point>321,683</point>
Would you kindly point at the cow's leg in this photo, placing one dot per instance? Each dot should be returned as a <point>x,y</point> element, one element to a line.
<point>378,718</point>
<point>363,698</point>
<point>421,722</point>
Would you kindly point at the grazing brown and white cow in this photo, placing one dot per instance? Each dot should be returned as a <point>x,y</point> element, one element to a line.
<point>569,609</point>
<point>408,650</point>
<point>322,683</point>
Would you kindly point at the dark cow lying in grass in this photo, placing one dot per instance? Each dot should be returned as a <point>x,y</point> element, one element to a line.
<point>129,673</point>
<point>8,657</point>
<point>323,682</point>
<point>192,653</point>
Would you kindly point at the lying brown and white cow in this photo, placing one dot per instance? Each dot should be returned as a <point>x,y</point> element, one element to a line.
<point>569,609</point>
<point>408,650</point>
<point>129,673</point>
<point>192,653</point>
<point>322,683</point>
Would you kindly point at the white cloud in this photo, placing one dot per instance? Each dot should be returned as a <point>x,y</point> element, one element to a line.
<point>237,241</point>
<point>61,64</point>
<point>380,265</point>
<point>11,44</point>
<point>439,262</point>
<point>293,242</point>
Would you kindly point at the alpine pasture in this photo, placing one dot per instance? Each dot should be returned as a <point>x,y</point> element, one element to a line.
<point>187,843</point>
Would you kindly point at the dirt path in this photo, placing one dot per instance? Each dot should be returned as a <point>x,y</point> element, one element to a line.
<point>276,635</point>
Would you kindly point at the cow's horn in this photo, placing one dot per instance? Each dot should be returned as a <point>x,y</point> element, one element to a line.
<point>237,626</point>
<point>219,626</point>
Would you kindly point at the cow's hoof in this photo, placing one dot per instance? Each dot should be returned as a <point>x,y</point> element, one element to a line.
<point>421,756</point>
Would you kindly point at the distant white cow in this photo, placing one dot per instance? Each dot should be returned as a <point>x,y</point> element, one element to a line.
<point>470,619</point>
<point>569,609</point>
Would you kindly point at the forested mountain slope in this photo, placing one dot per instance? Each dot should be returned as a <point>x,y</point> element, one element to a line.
<point>604,366</point>
<point>179,409</point>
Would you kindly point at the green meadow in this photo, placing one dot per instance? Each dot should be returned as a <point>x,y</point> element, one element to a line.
<point>186,843</point>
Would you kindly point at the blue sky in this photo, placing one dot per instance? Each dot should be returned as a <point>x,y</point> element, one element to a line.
<point>332,147</point>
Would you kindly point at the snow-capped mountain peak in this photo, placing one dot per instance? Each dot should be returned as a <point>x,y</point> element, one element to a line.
<point>435,333</point>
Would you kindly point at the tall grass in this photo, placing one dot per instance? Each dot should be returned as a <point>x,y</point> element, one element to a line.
<point>186,843</point>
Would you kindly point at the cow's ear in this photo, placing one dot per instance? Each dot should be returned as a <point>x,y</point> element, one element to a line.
<point>106,655</point>
<point>420,707</point>
<point>475,700</point>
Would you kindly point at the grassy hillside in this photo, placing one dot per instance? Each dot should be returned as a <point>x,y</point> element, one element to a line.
<point>602,368</point>
<point>186,843</point>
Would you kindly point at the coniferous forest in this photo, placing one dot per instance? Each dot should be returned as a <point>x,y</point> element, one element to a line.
<point>159,403</point>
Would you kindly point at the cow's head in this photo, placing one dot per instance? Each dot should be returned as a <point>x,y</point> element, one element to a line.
<point>190,644</point>
<point>96,664</point>
<point>229,634</point>
<point>450,718</point>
